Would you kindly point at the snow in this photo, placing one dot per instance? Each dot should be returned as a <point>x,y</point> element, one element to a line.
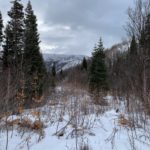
<point>100,131</point>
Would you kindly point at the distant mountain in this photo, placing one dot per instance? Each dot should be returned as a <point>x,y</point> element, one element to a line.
<point>62,61</point>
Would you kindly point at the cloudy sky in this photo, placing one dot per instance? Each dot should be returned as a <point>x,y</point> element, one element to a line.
<point>74,26</point>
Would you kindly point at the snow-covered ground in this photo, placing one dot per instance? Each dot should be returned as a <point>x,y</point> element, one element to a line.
<point>72,122</point>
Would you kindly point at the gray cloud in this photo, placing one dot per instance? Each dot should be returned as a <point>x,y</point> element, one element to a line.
<point>74,26</point>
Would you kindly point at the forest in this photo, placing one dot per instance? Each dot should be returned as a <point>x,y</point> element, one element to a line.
<point>102,102</point>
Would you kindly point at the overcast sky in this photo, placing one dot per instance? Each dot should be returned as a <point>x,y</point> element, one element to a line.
<point>74,26</point>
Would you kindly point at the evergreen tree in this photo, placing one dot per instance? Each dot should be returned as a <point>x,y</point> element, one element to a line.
<point>53,70</point>
<point>133,47</point>
<point>98,76</point>
<point>84,64</point>
<point>34,67</point>
<point>144,42</point>
<point>16,27</point>
<point>1,30</point>
<point>8,53</point>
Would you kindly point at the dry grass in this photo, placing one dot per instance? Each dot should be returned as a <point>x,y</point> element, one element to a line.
<point>20,110</point>
<point>123,121</point>
<point>14,122</point>
<point>6,114</point>
<point>35,113</point>
<point>27,123</point>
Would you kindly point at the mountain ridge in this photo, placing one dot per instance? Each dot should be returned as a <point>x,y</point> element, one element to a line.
<point>62,61</point>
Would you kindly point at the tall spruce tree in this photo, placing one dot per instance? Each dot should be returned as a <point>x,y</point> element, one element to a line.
<point>1,30</point>
<point>16,27</point>
<point>84,64</point>
<point>8,53</point>
<point>54,70</point>
<point>34,67</point>
<point>98,75</point>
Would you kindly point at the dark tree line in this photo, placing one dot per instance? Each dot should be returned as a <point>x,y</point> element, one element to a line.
<point>21,56</point>
<point>1,29</point>
<point>130,72</point>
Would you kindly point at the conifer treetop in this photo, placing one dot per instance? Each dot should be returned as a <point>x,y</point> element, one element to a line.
<point>1,28</point>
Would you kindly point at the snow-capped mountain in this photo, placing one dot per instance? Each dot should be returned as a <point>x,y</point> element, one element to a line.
<point>62,61</point>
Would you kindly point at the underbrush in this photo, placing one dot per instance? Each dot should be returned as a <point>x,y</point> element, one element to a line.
<point>71,114</point>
